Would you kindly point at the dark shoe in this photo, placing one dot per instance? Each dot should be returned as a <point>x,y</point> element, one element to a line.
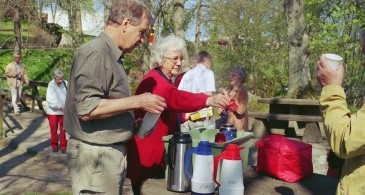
<point>63,151</point>
<point>136,188</point>
<point>55,150</point>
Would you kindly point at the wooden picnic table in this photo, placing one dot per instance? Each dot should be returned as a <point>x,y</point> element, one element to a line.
<point>305,112</point>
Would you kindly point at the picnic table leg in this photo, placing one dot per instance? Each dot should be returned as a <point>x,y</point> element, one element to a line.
<point>260,128</point>
<point>312,133</point>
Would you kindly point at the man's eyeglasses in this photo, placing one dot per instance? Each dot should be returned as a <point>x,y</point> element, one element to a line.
<point>176,59</point>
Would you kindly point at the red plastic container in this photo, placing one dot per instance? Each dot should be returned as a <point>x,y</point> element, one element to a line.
<point>284,159</point>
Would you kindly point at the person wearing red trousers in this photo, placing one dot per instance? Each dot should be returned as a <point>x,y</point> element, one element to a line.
<point>146,155</point>
<point>56,97</point>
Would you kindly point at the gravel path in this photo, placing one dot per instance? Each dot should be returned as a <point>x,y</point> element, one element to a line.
<point>22,173</point>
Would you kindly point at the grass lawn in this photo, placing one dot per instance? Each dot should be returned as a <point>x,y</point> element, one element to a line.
<point>7,31</point>
<point>9,25</point>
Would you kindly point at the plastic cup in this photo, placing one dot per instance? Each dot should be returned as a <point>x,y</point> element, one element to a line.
<point>333,60</point>
<point>220,137</point>
<point>148,123</point>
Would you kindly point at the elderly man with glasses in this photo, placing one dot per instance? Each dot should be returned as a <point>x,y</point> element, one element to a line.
<point>16,73</point>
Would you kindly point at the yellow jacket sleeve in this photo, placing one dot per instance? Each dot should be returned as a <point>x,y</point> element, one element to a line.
<point>345,132</point>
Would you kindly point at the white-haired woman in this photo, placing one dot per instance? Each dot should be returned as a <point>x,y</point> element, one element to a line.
<point>146,155</point>
<point>56,97</point>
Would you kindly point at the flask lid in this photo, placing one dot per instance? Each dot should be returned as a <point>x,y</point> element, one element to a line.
<point>232,152</point>
<point>180,137</point>
<point>204,148</point>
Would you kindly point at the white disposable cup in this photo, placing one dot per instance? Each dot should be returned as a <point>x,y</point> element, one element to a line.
<point>148,123</point>
<point>333,60</point>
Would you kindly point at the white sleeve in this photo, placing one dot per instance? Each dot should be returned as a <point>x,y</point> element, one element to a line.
<point>210,82</point>
<point>181,85</point>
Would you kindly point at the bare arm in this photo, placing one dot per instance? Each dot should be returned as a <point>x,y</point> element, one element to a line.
<point>111,107</point>
<point>218,100</point>
<point>242,102</point>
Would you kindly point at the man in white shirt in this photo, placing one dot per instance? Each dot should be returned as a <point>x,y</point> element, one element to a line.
<point>200,79</point>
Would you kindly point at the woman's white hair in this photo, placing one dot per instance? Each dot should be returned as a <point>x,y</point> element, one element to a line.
<point>57,73</point>
<point>162,45</point>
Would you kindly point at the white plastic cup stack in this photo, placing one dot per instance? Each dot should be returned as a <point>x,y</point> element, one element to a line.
<point>333,60</point>
<point>148,123</point>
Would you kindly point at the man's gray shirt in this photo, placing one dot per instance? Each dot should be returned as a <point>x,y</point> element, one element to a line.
<point>97,73</point>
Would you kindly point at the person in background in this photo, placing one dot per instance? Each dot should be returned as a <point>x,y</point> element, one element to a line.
<point>345,131</point>
<point>236,113</point>
<point>56,98</point>
<point>99,105</point>
<point>199,79</point>
<point>192,64</point>
<point>16,73</point>
<point>146,155</point>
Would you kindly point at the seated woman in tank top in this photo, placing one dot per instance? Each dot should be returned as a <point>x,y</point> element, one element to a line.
<point>236,112</point>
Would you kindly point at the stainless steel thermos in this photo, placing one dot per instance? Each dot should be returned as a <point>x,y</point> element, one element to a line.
<point>177,180</point>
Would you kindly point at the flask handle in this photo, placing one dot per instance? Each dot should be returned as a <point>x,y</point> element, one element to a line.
<point>171,154</point>
<point>216,163</point>
<point>188,156</point>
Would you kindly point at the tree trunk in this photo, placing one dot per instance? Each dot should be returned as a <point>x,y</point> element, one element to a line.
<point>299,72</point>
<point>40,9</point>
<point>17,29</point>
<point>73,9</point>
<point>54,9</point>
<point>78,24</point>
<point>178,20</point>
<point>75,23</point>
<point>198,24</point>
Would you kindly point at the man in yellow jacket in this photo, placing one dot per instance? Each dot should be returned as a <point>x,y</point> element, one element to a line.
<point>345,131</point>
<point>16,73</point>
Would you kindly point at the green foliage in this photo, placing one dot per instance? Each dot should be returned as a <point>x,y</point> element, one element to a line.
<point>257,40</point>
<point>7,30</point>
<point>255,31</point>
<point>352,109</point>
<point>333,30</point>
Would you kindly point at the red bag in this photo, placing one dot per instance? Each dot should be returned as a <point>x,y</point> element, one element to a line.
<point>284,159</point>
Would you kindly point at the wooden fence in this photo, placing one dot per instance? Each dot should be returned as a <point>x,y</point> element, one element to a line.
<point>34,95</point>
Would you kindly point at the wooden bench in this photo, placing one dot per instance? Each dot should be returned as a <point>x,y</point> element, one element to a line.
<point>285,117</point>
<point>305,113</point>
